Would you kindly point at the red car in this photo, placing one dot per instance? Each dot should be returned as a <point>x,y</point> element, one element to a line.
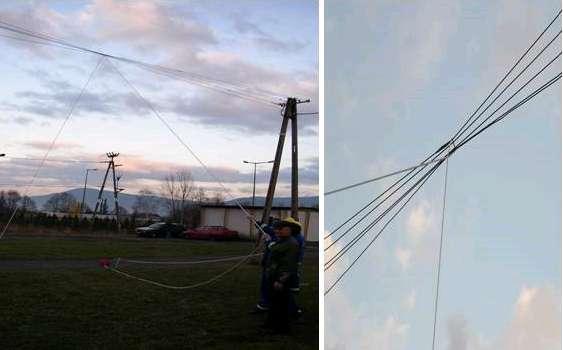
<point>212,233</point>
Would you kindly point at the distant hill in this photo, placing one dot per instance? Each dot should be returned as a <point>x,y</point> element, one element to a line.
<point>128,200</point>
<point>125,200</point>
<point>304,202</point>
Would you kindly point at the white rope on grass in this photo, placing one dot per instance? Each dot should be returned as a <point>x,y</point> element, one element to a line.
<point>193,262</point>
<point>192,286</point>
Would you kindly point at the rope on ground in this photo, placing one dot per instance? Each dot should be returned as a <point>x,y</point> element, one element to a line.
<point>193,262</point>
<point>192,286</point>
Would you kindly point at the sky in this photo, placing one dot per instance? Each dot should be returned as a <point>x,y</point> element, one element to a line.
<point>400,77</point>
<point>261,45</point>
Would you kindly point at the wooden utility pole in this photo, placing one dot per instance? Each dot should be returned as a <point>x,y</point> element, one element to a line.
<point>290,112</point>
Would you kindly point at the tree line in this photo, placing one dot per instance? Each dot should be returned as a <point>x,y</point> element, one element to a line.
<point>178,199</point>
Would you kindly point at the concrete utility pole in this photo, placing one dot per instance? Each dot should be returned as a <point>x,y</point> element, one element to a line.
<point>294,169</point>
<point>116,189</point>
<point>84,192</point>
<point>252,227</point>
<point>290,112</point>
<point>254,178</point>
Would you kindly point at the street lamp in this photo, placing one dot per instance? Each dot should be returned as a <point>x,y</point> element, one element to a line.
<point>254,181</point>
<point>84,192</point>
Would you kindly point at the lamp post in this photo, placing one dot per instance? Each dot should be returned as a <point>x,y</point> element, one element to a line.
<point>254,178</point>
<point>84,192</point>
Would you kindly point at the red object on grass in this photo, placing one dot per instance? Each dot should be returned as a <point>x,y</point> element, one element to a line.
<point>104,262</point>
<point>211,232</point>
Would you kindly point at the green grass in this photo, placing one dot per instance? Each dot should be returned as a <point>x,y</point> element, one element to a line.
<point>93,248</point>
<point>97,309</point>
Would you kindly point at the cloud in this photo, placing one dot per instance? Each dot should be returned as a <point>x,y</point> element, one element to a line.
<point>404,256</point>
<point>348,327</point>
<point>45,145</point>
<point>420,220</point>
<point>266,40</point>
<point>139,172</point>
<point>535,324</point>
<point>146,25</point>
<point>172,36</point>
<point>410,300</point>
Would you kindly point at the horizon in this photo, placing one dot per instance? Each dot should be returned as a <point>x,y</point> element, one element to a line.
<point>41,81</point>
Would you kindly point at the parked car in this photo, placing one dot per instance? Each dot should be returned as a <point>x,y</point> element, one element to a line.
<point>211,232</point>
<point>160,229</point>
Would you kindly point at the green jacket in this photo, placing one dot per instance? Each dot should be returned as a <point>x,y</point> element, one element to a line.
<point>284,256</point>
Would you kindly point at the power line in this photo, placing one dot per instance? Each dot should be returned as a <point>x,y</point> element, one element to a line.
<point>228,88</point>
<point>464,128</point>
<point>52,144</point>
<point>440,254</point>
<point>40,185</point>
<point>366,229</point>
<point>377,205</point>
<point>358,237</point>
<point>508,73</point>
<point>381,177</point>
<point>335,283</point>
<point>455,139</point>
<point>54,160</point>
<point>183,143</point>
<point>502,116</point>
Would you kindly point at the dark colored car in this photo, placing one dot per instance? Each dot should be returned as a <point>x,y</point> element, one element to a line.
<point>217,233</point>
<point>161,230</point>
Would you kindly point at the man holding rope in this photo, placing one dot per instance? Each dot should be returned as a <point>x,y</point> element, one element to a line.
<point>281,273</point>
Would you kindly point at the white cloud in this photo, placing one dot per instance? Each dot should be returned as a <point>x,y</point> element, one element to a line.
<point>535,324</point>
<point>347,327</point>
<point>420,220</point>
<point>537,321</point>
<point>404,256</point>
<point>410,300</point>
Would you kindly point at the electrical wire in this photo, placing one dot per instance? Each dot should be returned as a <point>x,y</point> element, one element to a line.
<point>440,254</point>
<point>377,178</point>
<point>216,84</point>
<point>470,121</point>
<point>498,119</point>
<point>52,144</point>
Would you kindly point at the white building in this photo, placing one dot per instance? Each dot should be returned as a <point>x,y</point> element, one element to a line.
<point>235,219</point>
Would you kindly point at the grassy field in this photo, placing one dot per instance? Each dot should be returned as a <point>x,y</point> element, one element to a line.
<point>91,308</point>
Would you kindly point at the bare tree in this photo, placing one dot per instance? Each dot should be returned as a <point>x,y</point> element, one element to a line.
<point>218,198</point>
<point>185,188</point>
<point>199,196</point>
<point>60,202</point>
<point>169,190</point>
<point>28,204</point>
<point>12,199</point>
<point>146,203</point>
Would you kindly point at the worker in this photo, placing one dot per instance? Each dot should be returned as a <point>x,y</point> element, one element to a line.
<point>270,229</point>
<point>294,309</point>
<point>281,270</point>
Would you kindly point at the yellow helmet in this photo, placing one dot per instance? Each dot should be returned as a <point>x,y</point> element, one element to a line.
<point>291,221</point>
